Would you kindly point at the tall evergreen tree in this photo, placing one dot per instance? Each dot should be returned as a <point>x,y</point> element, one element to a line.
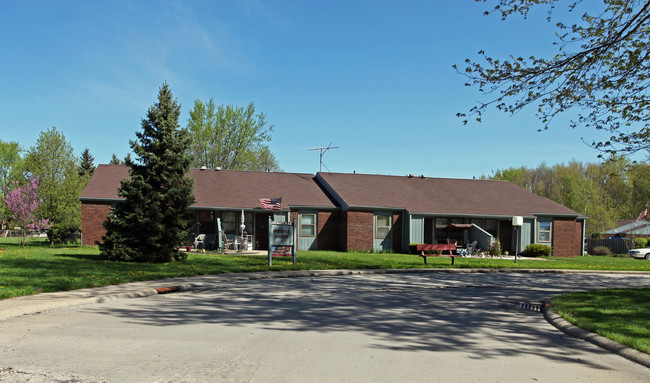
<point>154,219</point>
<point>87,163</point>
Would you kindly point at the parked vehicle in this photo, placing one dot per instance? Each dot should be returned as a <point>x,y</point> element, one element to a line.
<point>640,253</point>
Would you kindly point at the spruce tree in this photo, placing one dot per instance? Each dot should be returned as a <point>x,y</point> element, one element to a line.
<point>87,163</point>
<point>154,219</point>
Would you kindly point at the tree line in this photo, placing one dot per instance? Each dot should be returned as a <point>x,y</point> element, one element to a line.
<point>605,192</point>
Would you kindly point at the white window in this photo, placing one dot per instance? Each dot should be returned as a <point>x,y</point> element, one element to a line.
<point>382,226</point>
<point>307,225</point>
<point>544,231</point>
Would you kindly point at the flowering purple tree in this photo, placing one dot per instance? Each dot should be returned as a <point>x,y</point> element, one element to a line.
<point>22,202</point>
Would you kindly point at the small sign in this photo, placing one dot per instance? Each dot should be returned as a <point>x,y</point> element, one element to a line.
<point>282,234</point>
<point>282,240</point>
<point>281,251</point>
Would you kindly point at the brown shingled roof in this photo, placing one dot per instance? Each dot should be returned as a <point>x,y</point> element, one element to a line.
<point>447,196</point>
<point>225,188</point>
<point>439,195</point>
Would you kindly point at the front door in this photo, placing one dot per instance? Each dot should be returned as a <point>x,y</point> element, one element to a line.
<point>505,236</point>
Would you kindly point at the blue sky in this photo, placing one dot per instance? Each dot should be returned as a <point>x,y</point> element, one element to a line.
<point>375,78</point>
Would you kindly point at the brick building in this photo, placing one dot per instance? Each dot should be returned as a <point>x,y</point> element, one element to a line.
<point>336,211</point>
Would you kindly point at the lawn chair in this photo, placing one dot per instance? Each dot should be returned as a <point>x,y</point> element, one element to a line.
<point>199,241</point>
<point>471,248</point>
<point>227,244</point>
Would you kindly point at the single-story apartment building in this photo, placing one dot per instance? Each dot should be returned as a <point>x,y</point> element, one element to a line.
<point>339,211</point>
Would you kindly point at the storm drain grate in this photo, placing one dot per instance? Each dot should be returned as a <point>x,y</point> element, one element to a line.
<point>530,306</point>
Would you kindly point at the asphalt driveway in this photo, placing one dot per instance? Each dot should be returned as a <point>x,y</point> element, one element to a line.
<point>436,327</point>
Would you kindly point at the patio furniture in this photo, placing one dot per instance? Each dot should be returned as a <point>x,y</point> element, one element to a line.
<point>471,248</point>
<point>199,241</point>
<point>438,247</point>
<point>227,244</point>
<point>243,242</point>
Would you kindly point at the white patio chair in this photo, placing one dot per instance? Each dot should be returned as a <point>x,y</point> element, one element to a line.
<point>471,248</point>
<point>199,240</point>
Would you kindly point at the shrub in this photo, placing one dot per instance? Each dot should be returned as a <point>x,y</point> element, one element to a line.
<point>537,250</point>
<point>495,248</point>
<point>601,250</point>
<point>413,248</point>
<point>640,243</point>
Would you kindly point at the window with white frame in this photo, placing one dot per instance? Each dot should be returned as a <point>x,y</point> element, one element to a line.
<point>544,231</point>
<point>382,226</point>
<point>307,225</point>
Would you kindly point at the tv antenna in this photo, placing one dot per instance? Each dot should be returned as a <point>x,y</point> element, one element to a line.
<point>322,151</point>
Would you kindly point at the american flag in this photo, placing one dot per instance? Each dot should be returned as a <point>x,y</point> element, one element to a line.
<point>643,214</point>
<point>271,203</point>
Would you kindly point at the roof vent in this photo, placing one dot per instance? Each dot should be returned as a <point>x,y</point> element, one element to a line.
<point>422,176</point>
<point>217,169</point>
<point>203,167</point>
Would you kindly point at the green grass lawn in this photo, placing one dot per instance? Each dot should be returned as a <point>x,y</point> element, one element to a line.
<point>618,314</point>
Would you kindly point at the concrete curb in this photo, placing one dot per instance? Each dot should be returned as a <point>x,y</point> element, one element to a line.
<point>612,346</point>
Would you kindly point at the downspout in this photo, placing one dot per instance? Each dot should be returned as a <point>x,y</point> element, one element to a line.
<point>406,231</point>
<point>584,230</point>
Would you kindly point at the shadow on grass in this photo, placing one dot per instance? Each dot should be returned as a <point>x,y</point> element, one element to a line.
<point>84,256</point>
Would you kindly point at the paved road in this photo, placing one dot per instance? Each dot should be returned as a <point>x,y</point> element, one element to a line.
<point>380,328</point>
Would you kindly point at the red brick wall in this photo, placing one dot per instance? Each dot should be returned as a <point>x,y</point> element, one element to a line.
<point>359,230</point>
<point>567,237</point>
<point>93,216</point>
<point>294,216</point>
<point>343,231</point>
<point>356,230</point>
<point>328,230</point>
